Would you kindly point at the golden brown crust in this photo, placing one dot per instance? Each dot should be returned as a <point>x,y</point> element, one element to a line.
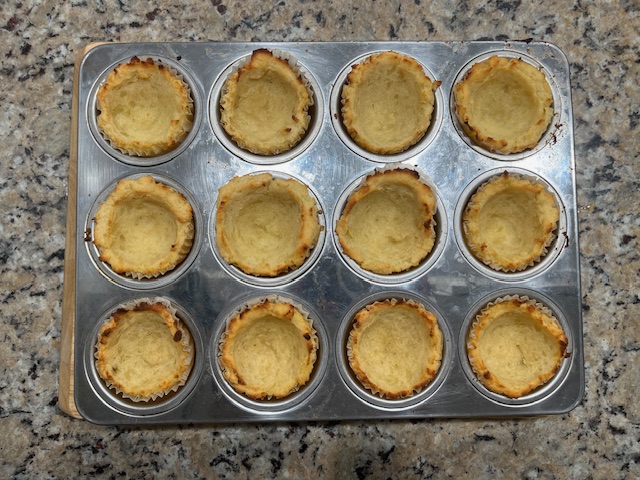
<point>145,110</point>
<point>266,226</point>
<point>504,104</point>
<point>515,347</point>
<point>509,222</point>
<point>265,105</point>
<point>387,103</point>
<point>268,350</point>
<point>144,351</point>
<point>395,347</point>
<point>144,228</point>
<point>387,225</point>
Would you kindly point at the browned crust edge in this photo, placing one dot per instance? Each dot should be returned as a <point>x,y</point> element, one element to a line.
<point>360,321</point>
<point>279,309</point>
<point>486,316</point>
<point>426,199</point>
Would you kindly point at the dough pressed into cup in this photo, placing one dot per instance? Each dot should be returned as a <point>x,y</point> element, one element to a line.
<point>515,345</point>
<point>145,108</point>
<point>504,104</point>
<point>510,221</point>
<point>395,347</point>
<point>265,104</point>
<point>144,351</point>
<point>144,228</point>
<point>265,225</point>
<point>268,350</point>
<point>387,224</point>
<point>387,102</point>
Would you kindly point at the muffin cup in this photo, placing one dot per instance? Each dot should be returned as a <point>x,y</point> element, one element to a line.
<point>439,222</point>
<point>368,385</point>
<point>153,151</point>
<point>550,238</point>
<point>298,395</point>
<point>284,277</point>
<point>314,112</point>
<point>186,342</point>
<point>539,392</point>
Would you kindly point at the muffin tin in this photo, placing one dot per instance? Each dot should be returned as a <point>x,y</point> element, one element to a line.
<point>331,288</point>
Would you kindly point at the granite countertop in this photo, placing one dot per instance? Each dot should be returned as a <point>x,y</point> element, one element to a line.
<point>598,439</point>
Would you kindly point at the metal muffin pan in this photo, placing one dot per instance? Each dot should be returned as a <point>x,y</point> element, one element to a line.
<point>205,290</point>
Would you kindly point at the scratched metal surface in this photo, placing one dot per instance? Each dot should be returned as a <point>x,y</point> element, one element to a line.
<point>205,290</point>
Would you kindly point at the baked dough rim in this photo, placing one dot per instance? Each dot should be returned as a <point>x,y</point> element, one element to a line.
<point>426,199</point>
<point>145,186</point>
<point>357,76</point>
<point>178,330</point>
<point>494,311</point>
<point>532,76</point>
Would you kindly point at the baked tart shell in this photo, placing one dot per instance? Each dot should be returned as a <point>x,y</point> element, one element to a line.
<point>504,105</point>
<point>264,104</point>
<point>268,350</point>
<point>144,351</point>
<point>387,103</point>
<point>515,345</point>
<point>144,228</point>
<point>387,225</point>
<point>266,226</point>
<point>395,348</point>
<point>510,222</point>
<point>145,108</point>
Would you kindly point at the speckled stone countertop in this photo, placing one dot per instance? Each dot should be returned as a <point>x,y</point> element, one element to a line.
<point>598,439</point>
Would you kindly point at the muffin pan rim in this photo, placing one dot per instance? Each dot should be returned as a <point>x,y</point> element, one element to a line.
<point>451,286</point>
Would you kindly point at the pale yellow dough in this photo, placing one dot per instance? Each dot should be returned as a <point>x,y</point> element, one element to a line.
<point>144,228</point>
<point>514,347</point>
<point>509,223</point>
<point>387,102</point>
<point>395,347</point>
<point>269,350</point>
